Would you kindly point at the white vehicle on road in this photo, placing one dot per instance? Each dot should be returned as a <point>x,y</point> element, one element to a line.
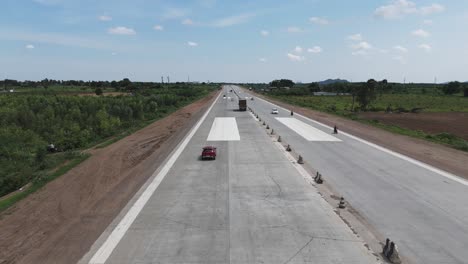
<point>274,111</point>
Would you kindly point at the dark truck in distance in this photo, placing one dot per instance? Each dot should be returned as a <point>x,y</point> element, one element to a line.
<point>242,105</point>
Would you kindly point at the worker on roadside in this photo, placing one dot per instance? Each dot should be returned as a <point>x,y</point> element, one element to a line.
<point>335,130</point>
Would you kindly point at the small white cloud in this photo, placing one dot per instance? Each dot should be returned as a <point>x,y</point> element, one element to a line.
<point>158,28</point>
<point>264,33</point>
<point>298,49</point>
<point>421,33</point>
<point>262,59</point>
<point>432,9</point>
<point>319,21</point>
<point>400,49</point>
<point>355,37</point>
<point>187,22</point>
<point>30,46</point>
<point>400,59</point>
<point>114,53</point>
<point>428,22</point>
<point>401,8</point>
<point>294,30</point>
<point>175,13</point>
<point>105,18</point>
<point>233,20</point>
<point>425,47</point>
<point>121,31</point>
<point>315,49</point>
<point>361,48</point>
<point>293,57</point>
<point>192,44</point>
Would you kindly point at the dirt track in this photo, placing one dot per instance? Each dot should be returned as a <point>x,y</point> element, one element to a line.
<point>437,155</point>
<point>59,223</point>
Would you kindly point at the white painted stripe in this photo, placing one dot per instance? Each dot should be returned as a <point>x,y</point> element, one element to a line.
<point>101,256</point>
<point>393,153</point>
<point>307,131</point>
<point>224,129</point>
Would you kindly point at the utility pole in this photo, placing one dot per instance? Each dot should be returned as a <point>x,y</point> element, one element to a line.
<point>162,79</point>
<point>168,80</point>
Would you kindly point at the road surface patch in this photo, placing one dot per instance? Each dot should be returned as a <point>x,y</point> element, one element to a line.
<point>224,129</point>
<point>307,131</point>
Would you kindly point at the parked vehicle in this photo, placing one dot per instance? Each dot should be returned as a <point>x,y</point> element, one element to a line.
<point>242,105</point>
<point>209,152</point>
<point>274,111</point>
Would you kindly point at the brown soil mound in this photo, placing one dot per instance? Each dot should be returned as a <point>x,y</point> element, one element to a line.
<point>59,223</point>
<point>432,123</point>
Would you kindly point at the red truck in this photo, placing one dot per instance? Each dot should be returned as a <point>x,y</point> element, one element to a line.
<point>209,152</point>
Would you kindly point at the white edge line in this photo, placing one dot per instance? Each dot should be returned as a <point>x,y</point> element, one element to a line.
<point>396,154</point>
<point>101,256</point>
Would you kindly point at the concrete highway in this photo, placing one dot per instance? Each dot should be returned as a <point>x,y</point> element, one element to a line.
<point>424,210</point>
<point>250,205</point>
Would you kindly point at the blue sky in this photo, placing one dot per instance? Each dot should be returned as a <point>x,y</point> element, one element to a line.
<point>234,41</point>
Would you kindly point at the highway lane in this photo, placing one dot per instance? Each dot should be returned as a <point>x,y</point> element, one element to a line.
<point>423,211</point>
<point>250,205</point>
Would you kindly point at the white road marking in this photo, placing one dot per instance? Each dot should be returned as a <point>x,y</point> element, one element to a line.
<point>307,131</point>
<point>224,129</point>
<point>101,256</point>
<point>393,153</point>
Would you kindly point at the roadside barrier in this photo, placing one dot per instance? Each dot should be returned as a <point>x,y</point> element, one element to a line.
<point>318,178</point>
<point>288,148</point>
<point>342,203</point>
<point>267,127</point>
<point>300,160</point>
<point>272,131</point>
<point>390,251</point>
<point>279,138</point>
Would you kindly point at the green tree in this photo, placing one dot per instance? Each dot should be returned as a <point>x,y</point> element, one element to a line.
<point>465,91</point>
<point>98,91</point>
<point>366,93</point>
<point>452,88</point>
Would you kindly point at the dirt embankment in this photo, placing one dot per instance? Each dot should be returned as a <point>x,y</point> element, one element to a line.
<point>59,223</point>
<point>439,156</point>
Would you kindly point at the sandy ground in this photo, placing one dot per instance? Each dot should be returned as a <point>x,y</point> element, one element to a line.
<point>432,123</point>
<point>59,223</point>
<point>437,155</point>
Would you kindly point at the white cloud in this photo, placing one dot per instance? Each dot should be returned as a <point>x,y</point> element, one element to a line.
<point>294,30</point>
<point>264,33</point>
<point>432,9</point>
<point>425,47</point>
<point>428,22</point>
<point>121,31</point>
<point>114,53</point>
<point>319,20</point>
<point>361,48</point>
<point>315,49</point>
<point>233,20</point>
<point>30,46</point>
<point>298,49</point>
<point>158,28</point>
<point>400,59</point>
<point>293,57</point>
<point>421,33</point>
<point>355,37</point>
<point>192,44</point>
<point>187,22</point>
<point>105,18</point>
<point>401,8</point>
<point>175,13</point>
<point>262,59</point>
<point>400,49</point>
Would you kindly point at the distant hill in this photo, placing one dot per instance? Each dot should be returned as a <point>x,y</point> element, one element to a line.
<point>330,81</point>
